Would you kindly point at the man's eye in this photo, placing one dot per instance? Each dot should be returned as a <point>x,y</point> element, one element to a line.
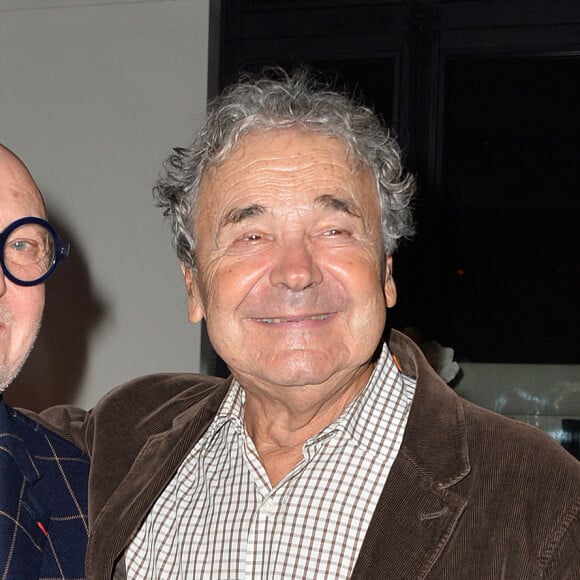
<point>24,252</point>
<point>252,237</point>
<point>335,232</point>
<point>22,246</point>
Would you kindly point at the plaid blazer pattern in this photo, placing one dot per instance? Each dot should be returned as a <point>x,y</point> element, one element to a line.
<point>43,502</point>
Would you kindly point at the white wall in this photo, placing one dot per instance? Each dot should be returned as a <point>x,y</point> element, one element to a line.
<point>93,95</point>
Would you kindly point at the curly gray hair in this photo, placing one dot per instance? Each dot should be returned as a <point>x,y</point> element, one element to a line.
<point>275,102</point>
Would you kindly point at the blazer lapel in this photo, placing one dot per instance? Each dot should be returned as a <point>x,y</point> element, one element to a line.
<point>22,514</point>
<point>410,527</point>
<point>418,511</point>
<point>150,473</point>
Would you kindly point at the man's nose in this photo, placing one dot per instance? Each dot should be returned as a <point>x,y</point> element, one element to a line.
<point>295,267</point>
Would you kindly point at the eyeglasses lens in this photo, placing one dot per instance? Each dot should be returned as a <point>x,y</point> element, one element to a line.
<point>29,252</point>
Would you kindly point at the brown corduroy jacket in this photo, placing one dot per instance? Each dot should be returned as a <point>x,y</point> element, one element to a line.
<point>471,494</point>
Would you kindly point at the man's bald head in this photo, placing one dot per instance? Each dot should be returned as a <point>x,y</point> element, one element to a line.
<point>12,168</point>
<point>20,306</point>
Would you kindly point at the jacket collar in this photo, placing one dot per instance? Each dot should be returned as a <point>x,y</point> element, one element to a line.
<point>418,510</point>
<point>435,438</point>
<point>13,444</point>
<point>146,479</point>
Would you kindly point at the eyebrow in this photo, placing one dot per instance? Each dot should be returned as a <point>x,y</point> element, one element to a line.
<point>239,214</point>
<point>337,203</point>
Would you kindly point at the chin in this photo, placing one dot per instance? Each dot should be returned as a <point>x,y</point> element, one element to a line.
<point>300,371</point>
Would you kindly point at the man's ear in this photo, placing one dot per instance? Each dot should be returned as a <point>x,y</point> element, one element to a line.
<point>390,287</point>
<point>195,311</point>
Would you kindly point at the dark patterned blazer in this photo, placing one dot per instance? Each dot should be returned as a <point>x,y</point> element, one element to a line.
<point>43,501</point>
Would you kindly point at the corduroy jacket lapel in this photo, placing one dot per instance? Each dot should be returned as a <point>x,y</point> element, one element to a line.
<point>418,511</point>
<point>153,468</point>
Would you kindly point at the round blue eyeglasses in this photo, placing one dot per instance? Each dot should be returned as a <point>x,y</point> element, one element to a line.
<point>31,251</point>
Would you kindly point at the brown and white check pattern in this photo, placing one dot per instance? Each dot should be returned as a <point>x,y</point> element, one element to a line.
<point>219,517</point>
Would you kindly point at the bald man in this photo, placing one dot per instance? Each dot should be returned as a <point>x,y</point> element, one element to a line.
<point>43,477</point>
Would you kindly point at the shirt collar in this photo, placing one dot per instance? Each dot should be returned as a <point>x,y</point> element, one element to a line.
<point>385,393</point>
<point>232,408</point>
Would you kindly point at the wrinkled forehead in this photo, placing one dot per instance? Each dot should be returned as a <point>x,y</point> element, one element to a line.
<point>265,135</point>
<point>287,171</point>
<point>295,147</point>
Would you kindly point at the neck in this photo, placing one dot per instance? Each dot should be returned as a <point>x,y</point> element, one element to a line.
<point>281,419</point>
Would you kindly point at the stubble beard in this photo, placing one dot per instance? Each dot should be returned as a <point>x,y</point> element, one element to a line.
<point>9,372</point>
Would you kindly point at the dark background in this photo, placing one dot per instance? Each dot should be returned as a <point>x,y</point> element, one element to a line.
<point>485,99</point>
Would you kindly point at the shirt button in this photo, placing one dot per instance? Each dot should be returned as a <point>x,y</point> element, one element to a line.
<point>269,507</point>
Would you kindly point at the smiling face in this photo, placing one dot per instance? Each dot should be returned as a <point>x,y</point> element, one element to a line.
<point>291,269</point>
<point>20,307</point>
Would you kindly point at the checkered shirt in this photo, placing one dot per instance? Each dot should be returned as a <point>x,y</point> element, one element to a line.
<point>220,518</point>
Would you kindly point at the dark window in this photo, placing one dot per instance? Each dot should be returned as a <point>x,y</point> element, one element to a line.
<point>485,98</point>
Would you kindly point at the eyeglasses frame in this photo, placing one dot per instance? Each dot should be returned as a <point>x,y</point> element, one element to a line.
<point>61,249</point>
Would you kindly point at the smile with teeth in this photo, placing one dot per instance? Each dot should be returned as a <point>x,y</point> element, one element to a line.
<point>280,320</point>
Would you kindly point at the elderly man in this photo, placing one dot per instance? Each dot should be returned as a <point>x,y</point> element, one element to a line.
<point>43,478</point>
<point>327,453</point>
